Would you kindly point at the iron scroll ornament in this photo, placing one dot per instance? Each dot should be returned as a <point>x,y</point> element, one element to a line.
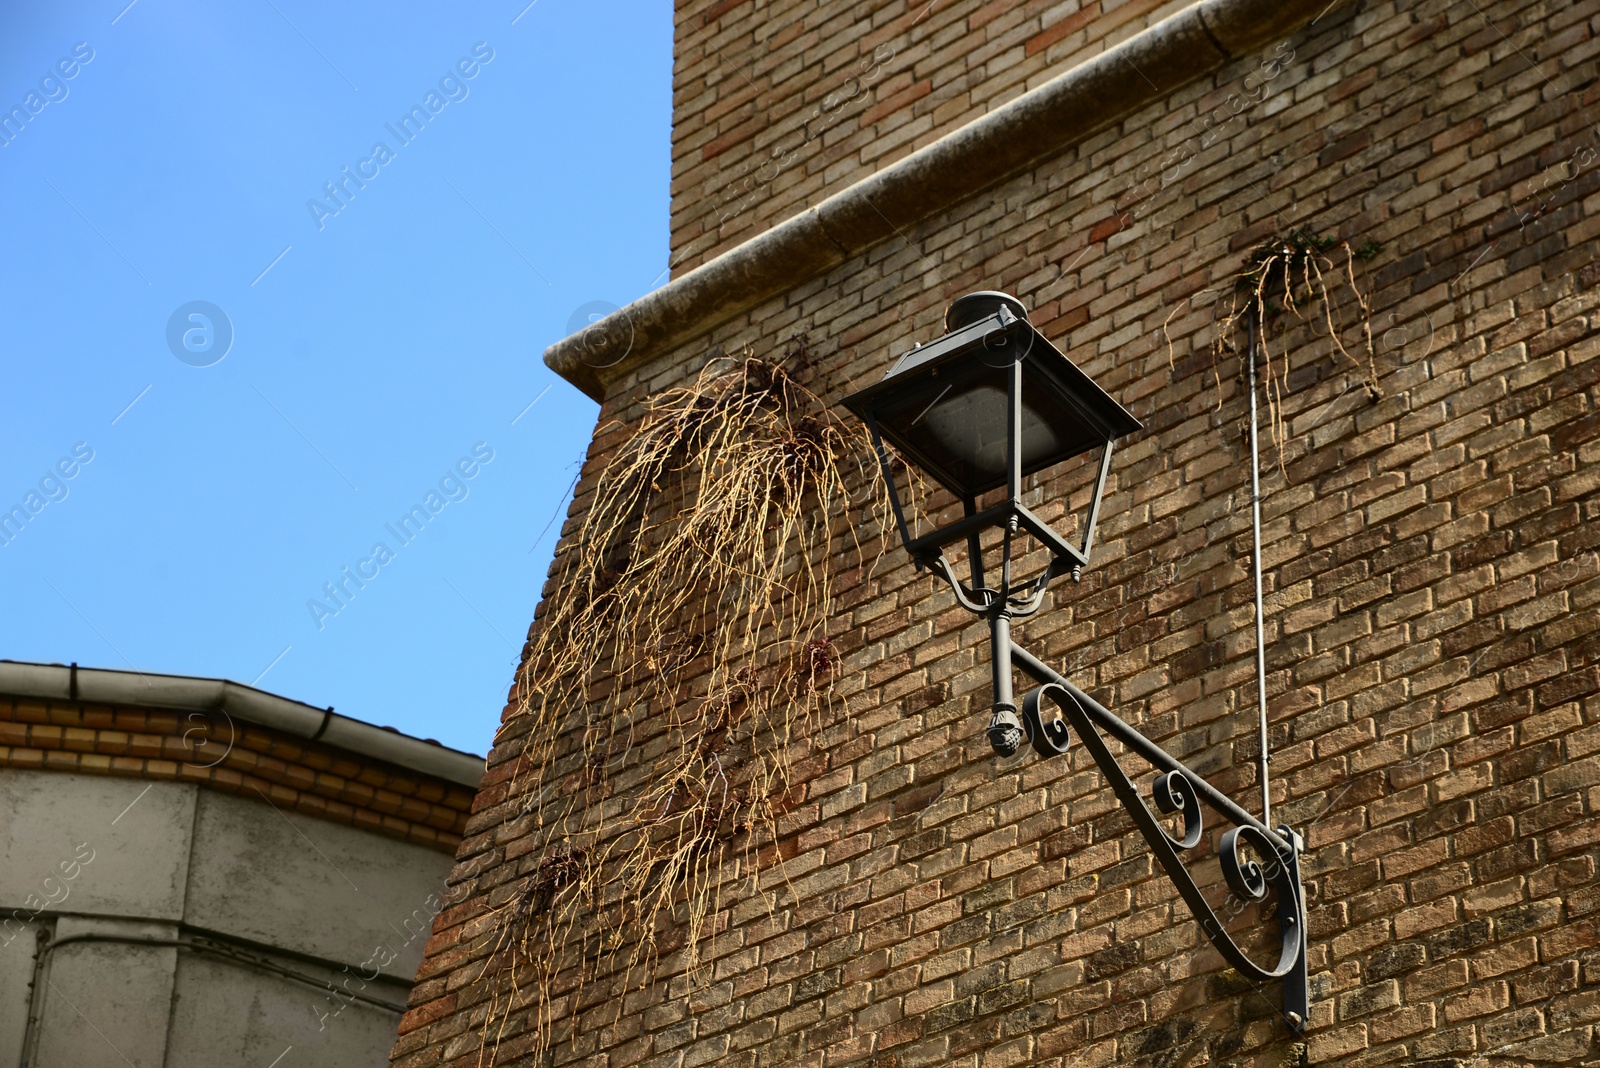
<point>1174,792</point>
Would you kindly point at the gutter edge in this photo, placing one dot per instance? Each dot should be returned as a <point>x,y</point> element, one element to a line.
<point>58,682</point>
<point>1194,42</point>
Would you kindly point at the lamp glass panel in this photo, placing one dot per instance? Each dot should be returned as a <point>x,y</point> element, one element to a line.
<point>956,422</point>
<point>972,427</point>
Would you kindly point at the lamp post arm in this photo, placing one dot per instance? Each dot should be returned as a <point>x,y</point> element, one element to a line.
<point>1158,757</point>
<point>1177,790</point>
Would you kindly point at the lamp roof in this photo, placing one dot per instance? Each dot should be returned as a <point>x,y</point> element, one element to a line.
<point>964,372</point>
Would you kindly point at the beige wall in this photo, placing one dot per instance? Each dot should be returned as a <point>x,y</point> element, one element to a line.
<point>271,907</point>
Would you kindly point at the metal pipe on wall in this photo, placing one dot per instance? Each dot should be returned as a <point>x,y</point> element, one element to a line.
<point>1263,758</point>
<point>211,945</point>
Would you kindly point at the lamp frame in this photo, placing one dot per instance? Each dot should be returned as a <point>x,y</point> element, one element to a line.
<point>1055,709</point>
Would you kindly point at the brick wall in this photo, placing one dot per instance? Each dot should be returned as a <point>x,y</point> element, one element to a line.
<point>1432,577</point>
<point>778,104</point>
<point>298,775</point>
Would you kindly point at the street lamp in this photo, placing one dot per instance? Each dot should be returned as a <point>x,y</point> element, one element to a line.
<point>984,406</point>
<point>979,409</point>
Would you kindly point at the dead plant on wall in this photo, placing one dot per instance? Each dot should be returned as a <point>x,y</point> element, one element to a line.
<point>1298,279</point>
<point>679,668</point>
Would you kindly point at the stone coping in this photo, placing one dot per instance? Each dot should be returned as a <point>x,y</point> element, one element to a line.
<point>1016,136</point>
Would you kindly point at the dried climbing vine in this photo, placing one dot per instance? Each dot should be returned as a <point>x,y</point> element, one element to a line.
<point>1289,280</point>
<point>679,667</point>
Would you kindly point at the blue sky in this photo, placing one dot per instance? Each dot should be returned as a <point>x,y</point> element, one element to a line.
<point>374,347</point>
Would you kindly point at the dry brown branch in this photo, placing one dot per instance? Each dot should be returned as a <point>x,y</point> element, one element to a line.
<point>677,673</point>
<point>1290,278</point>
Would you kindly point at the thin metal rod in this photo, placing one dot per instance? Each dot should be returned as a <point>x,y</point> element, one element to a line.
<point>1265,757</point>
<point>969,508</point>
<point>1005,730</point>
<point>894,493</point>
<point>1014,431</point>
<point>1094,504</point>
<point>1000,623</point>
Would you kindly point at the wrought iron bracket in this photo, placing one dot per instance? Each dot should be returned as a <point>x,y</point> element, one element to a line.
<point>1176,790</point>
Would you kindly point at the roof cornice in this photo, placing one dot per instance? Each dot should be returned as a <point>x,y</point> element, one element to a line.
<point>1014,137</point>
<point>58,682</point>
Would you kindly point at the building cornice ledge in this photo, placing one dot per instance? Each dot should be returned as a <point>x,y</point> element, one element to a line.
<point>61,682</point>
<point>1037,125</point>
